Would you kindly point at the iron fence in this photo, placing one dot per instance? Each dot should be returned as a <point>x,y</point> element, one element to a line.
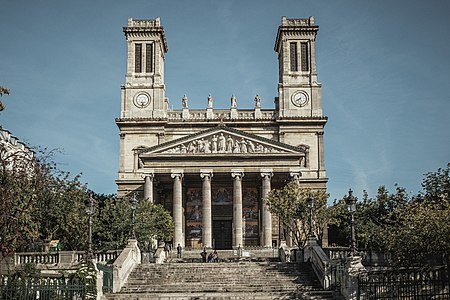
<point>336,270</point>
<point>107,277</point>
<point>16,288</point>
<point>405,284</point>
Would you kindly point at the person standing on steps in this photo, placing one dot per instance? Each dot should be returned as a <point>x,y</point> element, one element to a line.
<point>179,249</point>
<point>167,250</point>
<point>215,257</point>
<point>203,254</point>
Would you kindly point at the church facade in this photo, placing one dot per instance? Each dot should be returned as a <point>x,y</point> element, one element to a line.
<point>212,168</point>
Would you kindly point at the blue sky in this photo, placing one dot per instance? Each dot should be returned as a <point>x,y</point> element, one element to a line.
<point>384,66</point>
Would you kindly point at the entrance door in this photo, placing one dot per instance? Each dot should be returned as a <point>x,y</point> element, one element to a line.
<point>222,234</point>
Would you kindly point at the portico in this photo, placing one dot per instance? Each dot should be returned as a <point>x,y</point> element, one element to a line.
<point>218,187</point>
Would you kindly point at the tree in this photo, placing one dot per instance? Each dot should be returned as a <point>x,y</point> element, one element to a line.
<point>62,211</point>
<point>113,223</point>
<point>436,185</point>
<point>422,235</point>
<point>415,230</point>
<point>291,207</point>
<point>38,201</point>
<point>153,222</point>
<point>18,184</point>
<point>375,216</point>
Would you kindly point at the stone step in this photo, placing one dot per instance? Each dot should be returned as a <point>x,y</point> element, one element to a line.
<point>225,296</point>
<point>232,280</point>
<point>204,296</point>
<point>250,288</point>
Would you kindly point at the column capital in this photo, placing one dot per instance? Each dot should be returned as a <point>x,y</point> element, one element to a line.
<point>268,174</point>
<point>178,174</point>
<point>206,174</point>
<point>237,174</point>
<point>151,175</point>
<point>295,175</point>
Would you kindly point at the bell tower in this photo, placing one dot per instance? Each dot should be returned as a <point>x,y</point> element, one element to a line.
<point>299,93</point>
<point>143,94</point>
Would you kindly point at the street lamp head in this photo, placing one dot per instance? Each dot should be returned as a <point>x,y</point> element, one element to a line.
<point>133,202</point>
<point>350,200</point>
<point>90,205</point>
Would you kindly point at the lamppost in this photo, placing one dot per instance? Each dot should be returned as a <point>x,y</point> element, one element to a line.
<point>90,213</point>
<point>133,202</point>
<point>310,201</point>
<point>350,200</point>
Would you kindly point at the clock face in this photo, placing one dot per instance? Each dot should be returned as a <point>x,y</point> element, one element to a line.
<point>142,100</point>
<point>300,99</point>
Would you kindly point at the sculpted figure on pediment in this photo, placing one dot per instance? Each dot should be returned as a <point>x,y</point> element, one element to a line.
<point>206,147</point>
<point>214,144</point>
<point>236,148</point>
<point>230,143</point>
<point>223,143</point>
<point>201,146</point>
<point>183,148</point>
<point>243,146</point>
<point>191,147</point>
<point>251,146</point>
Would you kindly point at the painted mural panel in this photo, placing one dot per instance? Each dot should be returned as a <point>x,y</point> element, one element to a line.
<point>222,202</point>
<point>250,215</point>
<point>193,215</point>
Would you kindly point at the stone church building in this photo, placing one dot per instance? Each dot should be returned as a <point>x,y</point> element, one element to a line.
<point>213,167</point>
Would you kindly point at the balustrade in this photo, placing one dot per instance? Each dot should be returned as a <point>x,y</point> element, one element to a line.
<point>54,258</point>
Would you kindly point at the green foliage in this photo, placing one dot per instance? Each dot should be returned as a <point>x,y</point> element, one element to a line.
<point>113,223</point>
<point>374,216</point>
<point>39,202</point>
<point>422,234</point>
<point>436,185</point>
<point>291,207</point>
<point>153,222</point>
<point>86,275</point>
<point>416,230</point>
<point>18,186</point>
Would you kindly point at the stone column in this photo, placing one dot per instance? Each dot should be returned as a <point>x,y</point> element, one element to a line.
<point>237,208</point>
<point>266,215</point>
<point>178,237</point>
<point>320,155</point>
<point>148,187</point>
<point>206,209</point>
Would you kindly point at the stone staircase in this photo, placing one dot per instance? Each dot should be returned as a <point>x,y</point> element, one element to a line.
<point>225,280</point>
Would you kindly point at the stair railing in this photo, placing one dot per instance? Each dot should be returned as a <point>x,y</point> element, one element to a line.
<point>125,263</point>
<point>313,253</point>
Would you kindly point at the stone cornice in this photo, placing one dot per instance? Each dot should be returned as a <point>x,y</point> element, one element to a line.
<point>166,120</point>
<point>131,31</point>
<point>301,26</point>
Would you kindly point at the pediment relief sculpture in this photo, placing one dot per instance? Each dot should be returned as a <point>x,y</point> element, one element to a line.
<point>222,143</point>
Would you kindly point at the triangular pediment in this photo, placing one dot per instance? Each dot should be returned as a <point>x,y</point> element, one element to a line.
<point>222,140</point>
